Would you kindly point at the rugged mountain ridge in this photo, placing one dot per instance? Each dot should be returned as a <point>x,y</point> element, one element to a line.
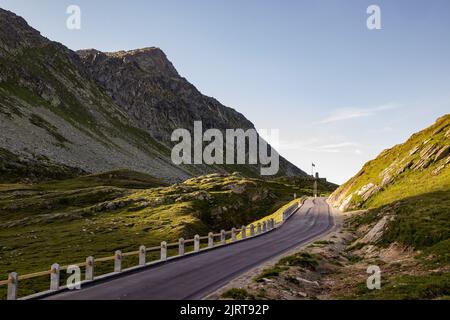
<point>51,110</point>
<point>420,165</point>
<point>55,107</point>
<point>147,86</point>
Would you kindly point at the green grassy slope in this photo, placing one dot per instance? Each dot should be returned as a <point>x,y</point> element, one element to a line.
<point>409,187</point>
<point>66,221</point>
<point>14,169</point>
<point>418,166</point>
<point>411,182</point>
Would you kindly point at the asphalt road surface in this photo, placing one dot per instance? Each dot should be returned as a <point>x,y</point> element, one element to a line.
<point>196,276</point>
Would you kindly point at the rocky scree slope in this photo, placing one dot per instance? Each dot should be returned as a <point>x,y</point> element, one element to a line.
<point>145,84</point>
<point>52,108</point>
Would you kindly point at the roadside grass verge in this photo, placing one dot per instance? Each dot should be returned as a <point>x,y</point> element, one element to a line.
<point>303,260</point>
<point>237,294</point>
<point>420,222</point>
<point>408,287</point>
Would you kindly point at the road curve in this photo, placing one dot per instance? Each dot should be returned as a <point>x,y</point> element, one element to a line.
<point>196,276</point>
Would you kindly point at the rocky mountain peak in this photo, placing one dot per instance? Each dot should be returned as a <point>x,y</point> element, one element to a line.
<point>148,87</point>
<point>78,109</point>
<point>150,60</point>
<point>16,34</point>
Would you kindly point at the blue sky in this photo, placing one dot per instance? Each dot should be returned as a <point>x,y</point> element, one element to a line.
<point>338,92</point>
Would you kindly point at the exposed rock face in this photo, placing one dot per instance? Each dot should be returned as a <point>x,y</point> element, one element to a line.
<point>378,229</point>
<point>368,190</point>
<point>51,109</point>
<point>157,99</point>
<point>442,153</point>
<point>424,155</point>
<point>148,88</point>
<point>16,35</point>
<point>101,111</point>
<point>345,203</point>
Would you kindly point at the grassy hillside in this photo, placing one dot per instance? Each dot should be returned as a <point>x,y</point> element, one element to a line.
<point>418,228</point>
<point>420,165</point>
<point>65,221</point>
<point>405,194</point>
<point>15,169</point>
<point>411,184</point>
<point>421,222</point>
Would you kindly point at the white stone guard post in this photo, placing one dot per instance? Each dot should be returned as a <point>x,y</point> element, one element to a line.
<point>264,226</point>
<point>13,284</point>
<point>181,247</point>
<point>252,230</point>
<point>142,255</point>
<point>89,274</point>
<point>118,261</point>
<point>54,277</point>
<point>196,243</point>
<point>223,237</point>
<point>243,232</point>
<point>258,230</point>
<point>233,235</point>
<point>163,251</point>
<point>210,240</point>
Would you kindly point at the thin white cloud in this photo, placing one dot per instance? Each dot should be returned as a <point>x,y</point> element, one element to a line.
<point>353,113</point>
<point>338,145</point>
<point>314,145</point>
